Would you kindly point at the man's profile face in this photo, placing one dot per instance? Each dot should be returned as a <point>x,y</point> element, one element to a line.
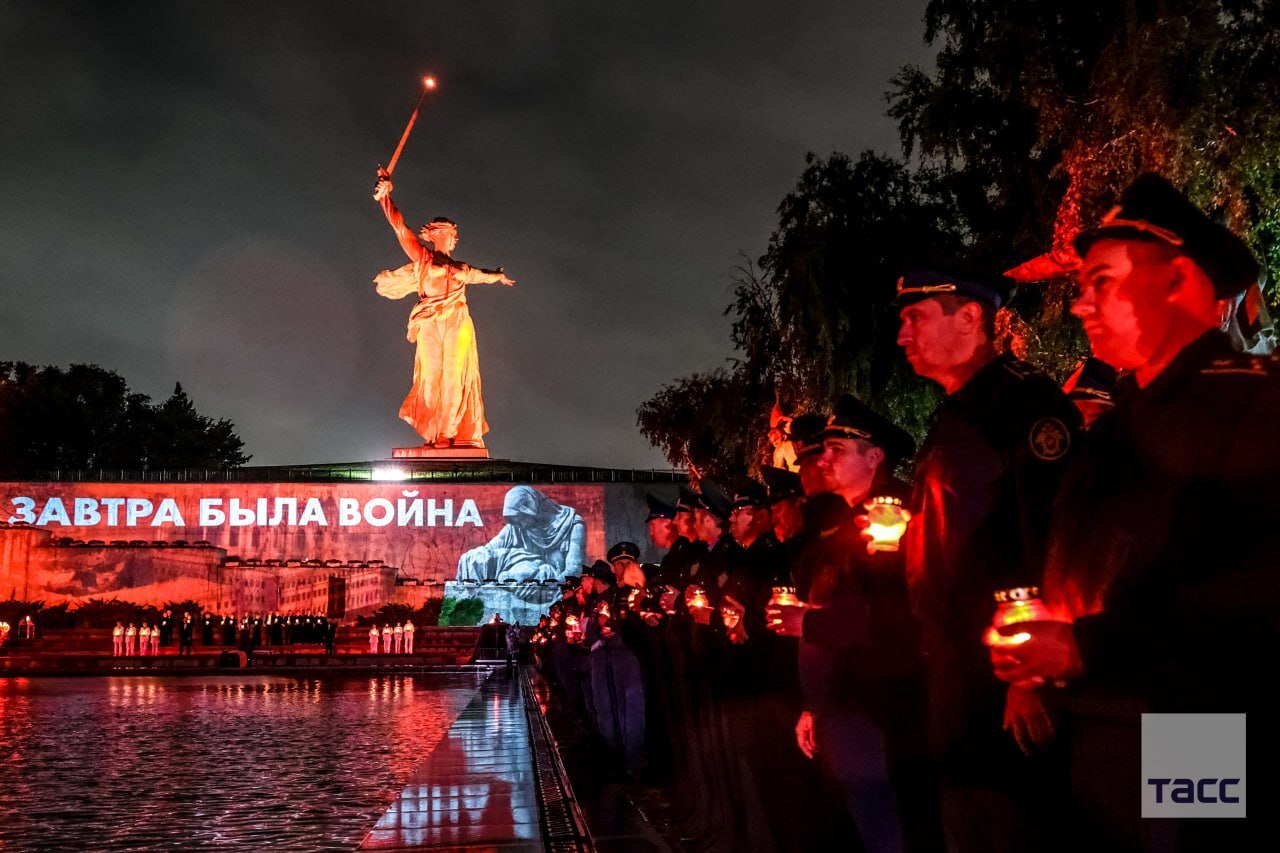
<point>929,337</point>
<point>813,478</point>
<point>662,532</point>
<point>709,530</point>
<point>849,464</point>
<point>686,526</point>
<point>1124,300</point>
<point>749,522</point>
<point>787,519</point>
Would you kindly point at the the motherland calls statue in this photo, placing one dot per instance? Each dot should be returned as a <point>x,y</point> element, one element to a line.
<point>542,540</point>
<point>444,405</point>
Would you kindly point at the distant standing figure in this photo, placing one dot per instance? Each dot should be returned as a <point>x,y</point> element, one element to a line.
<point>144,639</point>
<point>117,640</point>
<point>130,637</point>
<point>155,639</point>
<point>186,634</point>
<point>397,634</point>
<point>386,639</point>
<point>373,640</point>
<point>408,637</point>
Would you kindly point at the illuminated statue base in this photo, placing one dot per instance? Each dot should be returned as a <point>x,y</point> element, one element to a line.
<point>424,451</point>
<point>514,602</point>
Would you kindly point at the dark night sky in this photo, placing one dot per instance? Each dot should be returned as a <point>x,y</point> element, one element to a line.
<point>185,196</point>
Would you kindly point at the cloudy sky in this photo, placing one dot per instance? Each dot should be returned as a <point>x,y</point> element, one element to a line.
<point>185,196</point>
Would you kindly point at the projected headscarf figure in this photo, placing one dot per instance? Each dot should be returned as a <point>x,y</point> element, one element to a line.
<point>542,540</point>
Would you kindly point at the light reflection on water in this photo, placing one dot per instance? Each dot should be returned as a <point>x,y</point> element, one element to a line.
<point>231,763</point>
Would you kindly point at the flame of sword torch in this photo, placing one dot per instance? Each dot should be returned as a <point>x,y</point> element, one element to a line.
<point>428,83</point>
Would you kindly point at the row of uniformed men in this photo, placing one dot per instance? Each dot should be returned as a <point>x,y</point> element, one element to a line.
<point>1138,546</point>
<point>395,639</point>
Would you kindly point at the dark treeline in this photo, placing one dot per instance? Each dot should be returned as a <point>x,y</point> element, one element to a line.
<point>87,417</point>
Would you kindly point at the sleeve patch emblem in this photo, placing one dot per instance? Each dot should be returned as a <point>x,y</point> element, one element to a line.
<point>1050,440</point>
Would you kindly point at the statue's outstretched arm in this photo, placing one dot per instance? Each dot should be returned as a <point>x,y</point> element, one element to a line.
<point>476,275</point>
<point>408,240</point>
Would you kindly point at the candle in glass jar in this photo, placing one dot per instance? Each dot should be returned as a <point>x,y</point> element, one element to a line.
<point>886,522</point>
<point>1020,604</point>
<point>783,596</point>
<point>697,598</point>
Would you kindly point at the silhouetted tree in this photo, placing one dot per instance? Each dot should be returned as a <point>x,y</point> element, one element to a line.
<point>86,417</point>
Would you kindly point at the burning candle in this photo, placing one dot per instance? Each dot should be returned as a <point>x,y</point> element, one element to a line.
<point>886,522</point>
<point>633,597</point>
<point>783,596</point>
<point>696,597</point>
<point>1020,604</point>
<point>730,616</point>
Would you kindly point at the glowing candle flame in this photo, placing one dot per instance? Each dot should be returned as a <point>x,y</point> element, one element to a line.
<point>429,82</point>
<point>886,522</point>
<point>698,598</point>
<point>783,596</point>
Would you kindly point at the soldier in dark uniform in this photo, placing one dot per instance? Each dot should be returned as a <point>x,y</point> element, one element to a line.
<point>860,660</point>
<point>559,655</point>
<point>651,643</point>
<point>984,481</point>
<point>166,628</point>
<point>611,635</point>
<point>785,501</point>
<point>759,697</point>
<point>1161,557</point>
<point>186,634</point>
<point>681,564</point>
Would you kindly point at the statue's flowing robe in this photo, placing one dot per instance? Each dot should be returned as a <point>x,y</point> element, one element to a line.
<point>444,402</point>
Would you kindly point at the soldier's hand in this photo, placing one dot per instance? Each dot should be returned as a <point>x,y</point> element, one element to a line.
<point>804,735</point>
<point>651,619</point>
<point>1026,718</point>
<point>382,188</point>
<point>668,600</point>
<point>1031,653</point>
<point>701,615</point>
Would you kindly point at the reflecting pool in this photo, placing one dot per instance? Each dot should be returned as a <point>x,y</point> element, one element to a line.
<point>217,762</point>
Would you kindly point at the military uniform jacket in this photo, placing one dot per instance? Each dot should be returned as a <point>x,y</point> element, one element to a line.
<point>863,643</point>
<point>984,480</point>
<point>1163,539</point>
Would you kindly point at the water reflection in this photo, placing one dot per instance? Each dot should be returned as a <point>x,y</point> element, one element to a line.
<point>212,762</point>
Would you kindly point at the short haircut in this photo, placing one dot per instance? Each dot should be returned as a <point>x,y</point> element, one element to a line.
<point>951,303</point>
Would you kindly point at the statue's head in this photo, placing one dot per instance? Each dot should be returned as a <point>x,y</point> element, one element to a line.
<point>442,233</point>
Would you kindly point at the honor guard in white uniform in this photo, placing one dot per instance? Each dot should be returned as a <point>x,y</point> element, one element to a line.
<point>373,640</point>
<point>117,640</point>
<point>386,639</point>
<point>397,634</point>
<point>408,637</point>
<point>130,637</point>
